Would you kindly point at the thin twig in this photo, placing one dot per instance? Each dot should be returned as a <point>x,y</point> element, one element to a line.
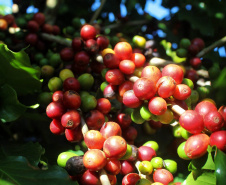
<point>97,12</point>
<point>211,47</point>
<point>57,39</point>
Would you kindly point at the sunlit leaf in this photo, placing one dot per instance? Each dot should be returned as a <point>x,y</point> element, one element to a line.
<point>16,70</point>
<point>200,178</point>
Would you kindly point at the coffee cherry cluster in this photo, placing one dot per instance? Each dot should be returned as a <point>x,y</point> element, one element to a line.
<point>109,151</point>
<point>37,25</point>
<point>84,50</point>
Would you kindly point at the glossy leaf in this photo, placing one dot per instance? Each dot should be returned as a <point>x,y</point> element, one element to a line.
<point>16,70</point>
<point>220,162</point>
<point>10,108</point>
<point>203,163</point>
<point>19,171</point>
<point>200,178</point>
<point>31,151</point>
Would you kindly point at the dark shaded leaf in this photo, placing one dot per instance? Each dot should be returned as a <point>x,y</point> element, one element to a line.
<point>10,108</point>
<point>31,151</point>
<point>18,171</point>
<point>220,162</point>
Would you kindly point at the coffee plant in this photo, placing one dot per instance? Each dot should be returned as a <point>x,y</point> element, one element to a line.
<point>91,96</point>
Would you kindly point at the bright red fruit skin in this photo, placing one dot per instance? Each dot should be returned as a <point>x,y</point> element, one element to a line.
<point>222,111</point>
<point>130,179</point>
<point>218,138</point>
<point>71,119</point>
<point>95,119</point>
<point>163,176</point>
<point>123,51</point>
<point>103,105</point>
<point>138,59</point>
<point>173,71</point>
<point>94,159</point>
<point>55,110</point>
<point>71,99</point>
<point>196,145</point>
<point>125,86</point>
<point>213,121</point>
<point>157,106</point>
<point>127,167</point>
<point>110,129</point>
<point>166,86</point>
<point>71,83</point>
<point>94,139</point>
<point>151,72</point>
<point>204,107</point>
<point>144,88</point>
<point>91,46</point>
<point>127,67</point>
<point>56,127</point>
<point>89,178</point>
<point>115,147</point>
<point>146,153</point>
<point>110,91</point>
<point>191,121</point>
<point>74,135</point>
<point>182,92</point>
<point>112,179</point>
<point>195,62</point>
<point>113,166</point>
<point>130,99</point>
<point>58,96</point>
<point>114,77</point>
<point>88,32</point>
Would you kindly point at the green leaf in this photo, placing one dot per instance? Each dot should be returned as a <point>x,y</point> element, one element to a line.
<point>31,151</point>
<point>200,178</point>
<point>220,162</point>
<point>203,163</point>
<point>10,108</point>
<point>5,182</point>
<point>18,171</point>
<point>16,70</point>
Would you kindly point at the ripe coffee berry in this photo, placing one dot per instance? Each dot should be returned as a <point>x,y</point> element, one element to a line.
<point>88,32</point>
<point>71,99</point>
